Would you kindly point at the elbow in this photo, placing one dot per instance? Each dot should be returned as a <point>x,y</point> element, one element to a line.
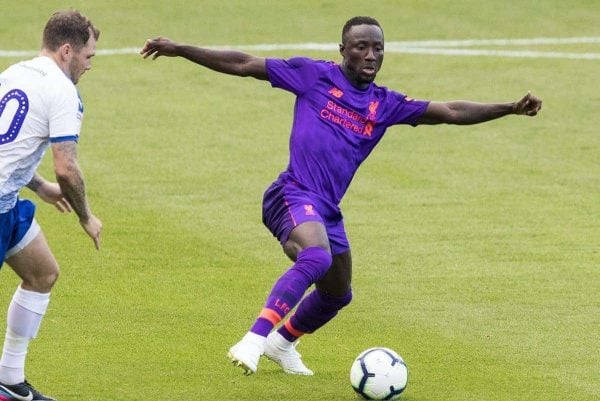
<point>65,173</point>
<point>454,118</point>
<point>61,173</point>
<point>62,178</point>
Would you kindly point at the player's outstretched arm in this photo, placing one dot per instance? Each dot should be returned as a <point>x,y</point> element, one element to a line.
<point>72,186</point>
<point>225,61</point>
<point>466,113</point>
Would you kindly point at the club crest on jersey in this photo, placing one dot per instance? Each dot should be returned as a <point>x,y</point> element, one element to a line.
<point>373,110</point>
<point>309,210</point>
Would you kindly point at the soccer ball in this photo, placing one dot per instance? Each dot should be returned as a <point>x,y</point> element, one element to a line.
<point>379,374</point>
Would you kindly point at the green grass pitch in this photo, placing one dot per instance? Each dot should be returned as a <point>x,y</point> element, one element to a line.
<point>476,249</point>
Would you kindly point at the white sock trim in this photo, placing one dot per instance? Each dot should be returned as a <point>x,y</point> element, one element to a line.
<point>36,302</point>
<point>254,338</point>
<point>280,341</point>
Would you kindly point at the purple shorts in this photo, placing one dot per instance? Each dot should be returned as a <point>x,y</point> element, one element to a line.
<point>287,205</point>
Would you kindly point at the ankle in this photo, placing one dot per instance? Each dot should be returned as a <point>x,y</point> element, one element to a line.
<point>276,339</point>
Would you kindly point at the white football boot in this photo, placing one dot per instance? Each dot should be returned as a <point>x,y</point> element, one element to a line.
<point>284,353</point>
<point>246,353</point>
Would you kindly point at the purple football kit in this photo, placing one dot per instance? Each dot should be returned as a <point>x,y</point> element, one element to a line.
<point>335,128</point>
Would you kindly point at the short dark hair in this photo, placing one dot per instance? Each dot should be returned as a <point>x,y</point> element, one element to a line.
<point>358,21</point>
<point>68,26</point>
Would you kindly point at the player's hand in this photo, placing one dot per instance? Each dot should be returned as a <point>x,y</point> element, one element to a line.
<point>93,228</point>
<point>529,105</point>
<point>50,193</point>
<point>159,46</point>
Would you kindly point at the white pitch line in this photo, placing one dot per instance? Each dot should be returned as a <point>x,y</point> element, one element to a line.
<point>18,53</point>
<point>500,42</point>
<point>430,47</point>
<point>498,53</point>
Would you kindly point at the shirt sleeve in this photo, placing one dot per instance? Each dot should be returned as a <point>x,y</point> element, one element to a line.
<point>66,114</point>
<point>406,110</point>
<point>295,75</point>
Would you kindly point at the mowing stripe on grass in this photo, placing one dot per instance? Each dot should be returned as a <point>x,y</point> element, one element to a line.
<point>429,47</point>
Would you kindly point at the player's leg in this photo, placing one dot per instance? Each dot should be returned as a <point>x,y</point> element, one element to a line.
<point>309,247</point>
<point>332,293</point>
<point>34,263</point>
<point>337,283</point>
<point>313,262</point>
<point>292,215</point>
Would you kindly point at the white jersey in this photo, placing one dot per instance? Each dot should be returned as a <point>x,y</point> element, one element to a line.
<point>39,105</point>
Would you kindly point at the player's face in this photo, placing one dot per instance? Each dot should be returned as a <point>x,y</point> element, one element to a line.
<point>81,60</point>
<point>362,53</point>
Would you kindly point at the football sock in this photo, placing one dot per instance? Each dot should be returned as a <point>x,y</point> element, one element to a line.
<point>278,341</point>
<point>311,264</point>
<point>25,314</point>
<point>315,310</point>
<point>255,339</point>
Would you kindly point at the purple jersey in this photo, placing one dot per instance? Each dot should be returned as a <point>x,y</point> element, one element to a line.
<point>336,126</point>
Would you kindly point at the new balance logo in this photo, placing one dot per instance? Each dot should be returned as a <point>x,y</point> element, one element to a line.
<point>336,92</point>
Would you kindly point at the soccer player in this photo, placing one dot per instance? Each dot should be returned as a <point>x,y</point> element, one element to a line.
<point>40,108</point>
<point>339,116</point>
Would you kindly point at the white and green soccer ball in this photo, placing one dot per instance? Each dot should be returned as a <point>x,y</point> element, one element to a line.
<point>379,374</point>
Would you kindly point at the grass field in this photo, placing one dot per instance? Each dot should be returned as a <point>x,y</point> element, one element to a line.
<point>476,249</point>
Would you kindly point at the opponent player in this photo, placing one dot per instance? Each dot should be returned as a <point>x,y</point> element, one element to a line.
<point>339,117</point>
<point>40,107</point>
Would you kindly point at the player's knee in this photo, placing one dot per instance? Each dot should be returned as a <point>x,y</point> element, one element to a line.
<point>348,298</point>
<point>51,278</point>
<point>345,300</point>
<point>314,262</point>
<point>334,303</point>
<point>44,281</point>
